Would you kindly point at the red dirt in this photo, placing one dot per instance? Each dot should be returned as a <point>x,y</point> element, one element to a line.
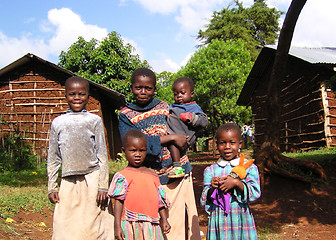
<point>290,209</point>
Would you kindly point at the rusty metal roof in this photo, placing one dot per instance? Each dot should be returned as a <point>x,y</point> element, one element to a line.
<point>118,98</point>
<point>322,56</point>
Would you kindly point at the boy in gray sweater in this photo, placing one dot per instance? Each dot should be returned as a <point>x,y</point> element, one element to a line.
<point>77,144</point>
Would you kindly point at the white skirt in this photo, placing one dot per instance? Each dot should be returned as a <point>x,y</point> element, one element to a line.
<point>77,215</point>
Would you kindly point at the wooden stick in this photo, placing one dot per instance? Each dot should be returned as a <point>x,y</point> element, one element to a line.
<point>39,98</point>
<point>39,113</point>
<point>35,104</point>
<point>30,90</point>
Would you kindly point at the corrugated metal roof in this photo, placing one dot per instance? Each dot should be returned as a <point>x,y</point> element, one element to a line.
<point>323,55</point>
<point>116,96</point>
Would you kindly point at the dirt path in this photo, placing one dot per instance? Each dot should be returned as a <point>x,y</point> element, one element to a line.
<point>292,210</point>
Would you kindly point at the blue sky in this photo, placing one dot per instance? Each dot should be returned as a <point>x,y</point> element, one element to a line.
<point>163,32</point>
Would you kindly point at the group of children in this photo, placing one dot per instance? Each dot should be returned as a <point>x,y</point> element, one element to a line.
<point>153,196</point>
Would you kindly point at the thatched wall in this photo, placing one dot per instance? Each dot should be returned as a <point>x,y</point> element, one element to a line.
<point>302,107</point>
<point>33,94</point>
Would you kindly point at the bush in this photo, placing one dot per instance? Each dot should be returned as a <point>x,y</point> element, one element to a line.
<point>15,153</point>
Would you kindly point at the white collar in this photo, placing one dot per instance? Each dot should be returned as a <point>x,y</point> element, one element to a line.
<point>222,162</point>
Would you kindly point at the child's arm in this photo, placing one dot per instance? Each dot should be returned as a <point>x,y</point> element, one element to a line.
<point>164,224</point>
<point>210,183</point>
<point>199,120</point>
<point>53,165</point>
<point>118,208</point>
<point>101,152</point>
<point>248,189</point>
<point>180,141</point>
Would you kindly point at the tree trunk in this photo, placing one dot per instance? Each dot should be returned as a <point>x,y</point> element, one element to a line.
<point>269,155</point>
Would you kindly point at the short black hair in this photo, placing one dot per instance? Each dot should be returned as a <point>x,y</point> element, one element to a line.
<point>76,79</point>
<point>135,133</point>
<point>187,80</point>
<point>143,72</point>
<point>229,127</point>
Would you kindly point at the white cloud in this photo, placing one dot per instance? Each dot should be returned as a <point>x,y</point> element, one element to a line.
<point>160,65</point>
<point>68,27</point>
<point>315,24</point>
<point>161,6</point>
<point>192,19</point>
<point>167,64</point>
<point>186,59</point>
<point>13,48</point>
<point>190,14</point>
<point>136,48</point>
<point>63,28</point>
<point>313,28</point>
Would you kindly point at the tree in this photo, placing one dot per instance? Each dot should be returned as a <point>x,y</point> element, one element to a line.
<point>109,62</point>
<point>269,156</point>
<point>164,86</point>
<point>219,71</point>
<point>255,25</point>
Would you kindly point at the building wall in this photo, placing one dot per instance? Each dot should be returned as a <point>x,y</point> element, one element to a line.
<point>301,111</point>
<point>330,116</point>
<point>32,97</point>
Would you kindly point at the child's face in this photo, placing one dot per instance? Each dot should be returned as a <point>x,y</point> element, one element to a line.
<point>135,151</point>
<point>77,95</point>
<point>182,93</point>
<point>229,143</point>
<point>143,90</point>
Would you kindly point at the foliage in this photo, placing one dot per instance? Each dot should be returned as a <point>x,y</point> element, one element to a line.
<point>255,25</point>
<point>33,177</point>
<point>201,144</point>
<point>164,85</point>
<point>15,152</point>
<point>219,71</point>
<point>117,164</point>
<point>109,62</point>
<point>331,83</point>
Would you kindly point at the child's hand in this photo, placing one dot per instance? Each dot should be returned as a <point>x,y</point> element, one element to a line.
<point>165,226</point>
<point>215,181</point>
<point>102,199</point>
<point>186,117</point>
<point>118,233</point>
<point>227,183</point>
<point>53,197</point>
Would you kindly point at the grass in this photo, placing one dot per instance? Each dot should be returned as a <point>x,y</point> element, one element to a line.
<point>23,190</point>
<point>326,157</point>
<point>323,156</point>
<point>28,198</point>
<point>267,233</point>
<point>26,190</point>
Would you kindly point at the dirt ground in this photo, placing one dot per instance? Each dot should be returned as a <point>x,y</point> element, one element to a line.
<point>291,209</point>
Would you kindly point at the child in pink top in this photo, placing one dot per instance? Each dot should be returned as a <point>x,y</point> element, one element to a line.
<point>140,200</point>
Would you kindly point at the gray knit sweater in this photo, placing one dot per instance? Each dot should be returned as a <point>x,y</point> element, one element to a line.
<point>77,143</point>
